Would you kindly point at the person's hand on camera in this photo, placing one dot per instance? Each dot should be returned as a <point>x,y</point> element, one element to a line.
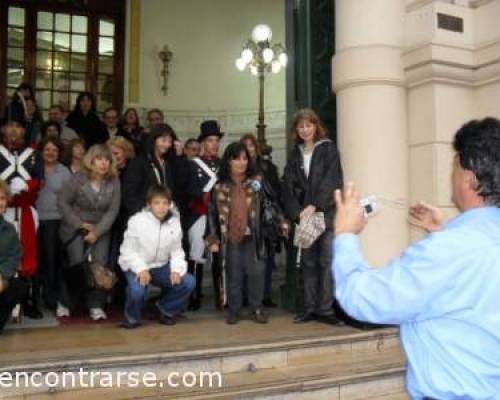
<point>307,212</point>
<point>350,217</point>
<point>144,277</point>
<point>175,278</point>
<point>425,216</point>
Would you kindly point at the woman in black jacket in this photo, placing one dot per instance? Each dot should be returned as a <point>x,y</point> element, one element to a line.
<point>268,173</point>
<point>85,121</point>
<point>152,167</point>
<point>312,174</point>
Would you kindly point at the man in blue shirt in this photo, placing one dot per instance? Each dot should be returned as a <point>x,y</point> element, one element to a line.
<point>444,291</point>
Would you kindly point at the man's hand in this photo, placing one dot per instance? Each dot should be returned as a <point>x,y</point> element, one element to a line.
<point>175,278</point>
<point>427,217</point>
<point>350,217</point>
<point>307,212</point>
<point>144,277</point>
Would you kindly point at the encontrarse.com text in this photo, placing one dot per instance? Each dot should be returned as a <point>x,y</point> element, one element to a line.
<point>91,379</point>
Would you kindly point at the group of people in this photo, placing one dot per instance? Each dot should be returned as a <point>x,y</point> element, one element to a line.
<point>156,211</point>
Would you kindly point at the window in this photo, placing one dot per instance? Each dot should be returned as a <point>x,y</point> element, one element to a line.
<point>63,48</point>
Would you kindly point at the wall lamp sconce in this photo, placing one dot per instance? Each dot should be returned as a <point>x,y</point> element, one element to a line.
<point>165,56</point>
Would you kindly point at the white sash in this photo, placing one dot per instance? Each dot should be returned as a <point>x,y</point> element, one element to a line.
<point>211,174</point>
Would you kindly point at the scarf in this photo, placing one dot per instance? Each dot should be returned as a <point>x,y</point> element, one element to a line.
<point>238,211</point>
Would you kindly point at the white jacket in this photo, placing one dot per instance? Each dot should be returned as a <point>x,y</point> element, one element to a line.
<point>149,243</point>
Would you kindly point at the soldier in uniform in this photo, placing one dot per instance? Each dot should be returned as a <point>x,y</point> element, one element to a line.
<point>201,181</point>
<point>18,167</point>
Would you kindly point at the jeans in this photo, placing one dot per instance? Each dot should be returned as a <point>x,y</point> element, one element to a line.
<point>173,299</point>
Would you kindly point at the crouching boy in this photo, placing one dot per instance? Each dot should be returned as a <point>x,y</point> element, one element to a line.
<point>12,290</point>
<point>151,253</point>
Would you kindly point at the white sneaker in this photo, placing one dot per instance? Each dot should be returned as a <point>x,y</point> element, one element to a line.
<point>97,314</point>
<point>62,311</point>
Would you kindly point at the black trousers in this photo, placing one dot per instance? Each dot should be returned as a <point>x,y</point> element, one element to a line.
<point>318,282</point>
<point>14,294</point>
<point>50,253</point>
<point>241,260</point>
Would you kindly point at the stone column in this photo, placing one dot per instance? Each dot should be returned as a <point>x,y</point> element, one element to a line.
<point>369,82</point>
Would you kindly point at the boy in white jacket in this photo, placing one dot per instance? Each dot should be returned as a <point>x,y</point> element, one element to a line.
<point>151,253</point>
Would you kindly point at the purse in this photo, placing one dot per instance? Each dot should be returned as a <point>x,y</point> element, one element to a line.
<point>94,275</point>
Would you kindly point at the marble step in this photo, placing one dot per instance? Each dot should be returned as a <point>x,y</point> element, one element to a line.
<point>298,365</point>
<point>377,376</point>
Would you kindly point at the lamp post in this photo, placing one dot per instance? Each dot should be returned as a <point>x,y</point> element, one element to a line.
<point>260,58</point>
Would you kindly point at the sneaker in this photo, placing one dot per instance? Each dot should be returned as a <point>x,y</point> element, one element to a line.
<point>97,314</point>
<point>62,311</point>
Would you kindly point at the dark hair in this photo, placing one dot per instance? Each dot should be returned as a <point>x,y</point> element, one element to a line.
<point>123,118</point>
<point>251,137</point>
<point>107,110</point>
<point>56,142</point>
<point>46,125</point>
<point>80,98</point>
<point>232,152</point>
<point>24,86</point>
<point>191,140</point>
<point>68,150</point>
<point>311,116</point>
<point>158,131</point>
<point>158,191</point>
<point>477,144</point>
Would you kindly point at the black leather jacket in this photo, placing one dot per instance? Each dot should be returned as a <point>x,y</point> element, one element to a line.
<point>325,175</point>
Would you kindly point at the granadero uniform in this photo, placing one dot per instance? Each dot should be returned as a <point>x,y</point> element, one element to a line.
<point>201,181</point>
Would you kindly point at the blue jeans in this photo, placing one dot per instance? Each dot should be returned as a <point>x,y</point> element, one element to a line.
<point>173,299</point>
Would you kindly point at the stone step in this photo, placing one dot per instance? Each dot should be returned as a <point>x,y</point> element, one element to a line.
<point>374,376</point>
<point>335,363</point>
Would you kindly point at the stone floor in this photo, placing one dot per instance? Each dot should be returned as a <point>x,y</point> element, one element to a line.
<point>195,331</point>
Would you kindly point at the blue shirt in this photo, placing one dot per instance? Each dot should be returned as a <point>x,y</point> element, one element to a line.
<point>444,291</point>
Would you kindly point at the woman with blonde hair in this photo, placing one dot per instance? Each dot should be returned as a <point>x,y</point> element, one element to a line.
<point>88,206</point>
<point>312,174</point>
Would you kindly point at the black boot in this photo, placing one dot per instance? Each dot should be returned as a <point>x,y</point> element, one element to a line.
<point>31,303</point>
<point>195,299</point>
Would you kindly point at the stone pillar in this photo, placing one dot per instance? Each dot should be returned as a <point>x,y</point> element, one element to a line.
<point>369,81</point>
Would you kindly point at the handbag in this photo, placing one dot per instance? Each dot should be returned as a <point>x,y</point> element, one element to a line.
<point>94,275</point>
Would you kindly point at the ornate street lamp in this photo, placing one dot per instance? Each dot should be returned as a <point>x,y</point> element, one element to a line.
<point>260,58</point>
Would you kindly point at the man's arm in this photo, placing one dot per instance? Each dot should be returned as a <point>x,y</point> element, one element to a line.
<point>397,292</point>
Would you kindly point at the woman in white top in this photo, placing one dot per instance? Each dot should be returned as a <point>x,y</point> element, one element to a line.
<point>312,174</point>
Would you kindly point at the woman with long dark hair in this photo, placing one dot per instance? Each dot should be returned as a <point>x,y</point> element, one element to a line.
<point>312,174</point>
<point>234,230</point>
<point>268,175</point>
<point>151,167</point>
<point>133,131</point>
<point>85,121</point>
